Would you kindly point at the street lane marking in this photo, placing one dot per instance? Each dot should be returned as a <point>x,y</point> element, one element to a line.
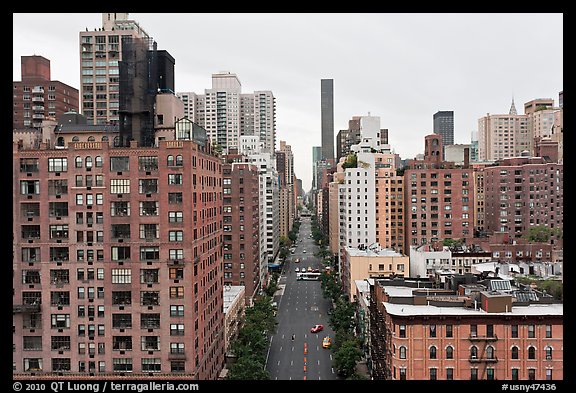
<point>280,347</point>
<point>279,362</point>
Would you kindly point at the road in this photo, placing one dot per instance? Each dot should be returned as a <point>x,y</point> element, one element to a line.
<point>300,307</point>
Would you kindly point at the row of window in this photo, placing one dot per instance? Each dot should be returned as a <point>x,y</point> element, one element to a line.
<point>119,365</point>
<point>488,354</point>
<point>475,373</point>
<point>489,330</point>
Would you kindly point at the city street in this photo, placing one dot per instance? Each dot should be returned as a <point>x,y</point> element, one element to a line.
<point>300,307</point>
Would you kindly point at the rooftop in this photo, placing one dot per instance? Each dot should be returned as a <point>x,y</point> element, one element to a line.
<point>374,252</point>
<point>231,293</point>
<point>554,309</point>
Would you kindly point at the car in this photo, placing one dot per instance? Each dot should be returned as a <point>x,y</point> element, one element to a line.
<point>317,328</point>
<point>304,251</point>
<point>309,269</point>
<point>315,270</point>
<point>297,260</point>
<point>297,270</point>
<point>292,251</point>
<point>326,342</point>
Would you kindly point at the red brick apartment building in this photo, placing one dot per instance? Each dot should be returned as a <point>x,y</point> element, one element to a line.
<point>483,334</point>
<point>241,225</point>
<point>36,97</point>
<point>117,261</point>
<point>438,199</point>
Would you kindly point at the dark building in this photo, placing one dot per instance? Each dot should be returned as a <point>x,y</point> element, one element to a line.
<point>327,109</point>
<point>241,237</point>
<point>36,97</point>
<point>347,138</point>
<point>444,126</point>
<point>165,81</point>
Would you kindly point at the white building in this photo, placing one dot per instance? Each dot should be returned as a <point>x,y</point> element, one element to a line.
<point>227,114</point>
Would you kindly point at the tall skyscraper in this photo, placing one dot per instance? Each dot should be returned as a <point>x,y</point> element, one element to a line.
<point>235,114</point>
<point>100,54</point>
<point>316,156</point>
<point>444,126</point>
<point>327,109</point>
<point>37,97</point>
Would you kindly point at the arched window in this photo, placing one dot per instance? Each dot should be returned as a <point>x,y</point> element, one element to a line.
<point>116,142</point>
<point>490,352</point>
<point>105,138</point>
<point>91,139</point>
<point>88,162</point>
<point>78,162</point>
<point>548,351</point>
<point>474,352</point>
<point>179,161</point>
<point>531,353</point>
<point>449,352</point>
<point>402,352</point>
<point>60,141</point>
<point>514,352</point>
<point>75,139</point>
<point>432,352</point>
<point>170,160</point>
<point>98,162</point>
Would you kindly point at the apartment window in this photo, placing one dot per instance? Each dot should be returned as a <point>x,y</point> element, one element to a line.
<point>489,352</point>
<point>33,343</point>
<point>402,329</point>
<point>150,321</point>
<point>449,331</point>
<point>432,352</point>
<point>122,364</point>
<point>474,374</point>
<point>449,352</point>
<point>119,164</point>
<point>175,216</point>
<point>57,165</point>
<point>150,343</point>
<point>177,366</point>
<point>531,331</point>
<point>548,331</point>
<point>149,298</point>
<point>121,321</point>
<point>449,373</point>
<point>514,352</point>
<point>548,352</point>
<point>490,330</point>
<point>402,374</point>
<point>176,292</point>
<point>120,186</point>
<point>432,330</point>
<point>433,374</point>
<point>149,253</point>
<point>176,311</point>
<point>402,352</point>
<point>148,186</point>
<point>175,197</point>
<point>148,163</point>
<point>490,374</point>
<point>531,353</point>
<point>473,330</point>
<point>514,331</point>
<point>175,236</point>
<point>61,364</point>
<point>151,365</point>
<point>531,374</point>
<point>549,374</point>
<point>177,348</point>
<point>121,276</point>
<point>176,329</point>
<point>174,178</point>
<point>474,352</point>
<point>515,374</point>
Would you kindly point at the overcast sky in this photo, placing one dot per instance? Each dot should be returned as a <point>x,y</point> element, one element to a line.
<point>400,67</point>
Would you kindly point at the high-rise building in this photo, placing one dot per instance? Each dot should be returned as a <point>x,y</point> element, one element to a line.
<point>241,225</point>
<point>438,198</point>
<point>100,54</point>
<point>285,168</point>
<point>327,114</point>
<point>316,156</point>
<point>523,192</point>
<point>36,97</point>
<point>444,126</point>
<point>352,136</point>
<point>227,113</point>
<point>117,260</point>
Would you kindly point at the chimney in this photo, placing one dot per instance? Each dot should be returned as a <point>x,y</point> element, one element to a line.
<point>466,157</point>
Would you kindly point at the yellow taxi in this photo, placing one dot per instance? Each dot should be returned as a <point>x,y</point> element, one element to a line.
<point>326,342</point>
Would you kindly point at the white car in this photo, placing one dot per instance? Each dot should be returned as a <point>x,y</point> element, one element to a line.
<point>304,251</point>
<point>297,270</point>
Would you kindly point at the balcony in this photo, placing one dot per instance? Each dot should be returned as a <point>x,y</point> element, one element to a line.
<point>38,108</point>
<point>483,360</point>
<point>38,89</point>
<point>26,308</point>
<point>483,338</point>
<point>38,116</point>
<point>37,99</point>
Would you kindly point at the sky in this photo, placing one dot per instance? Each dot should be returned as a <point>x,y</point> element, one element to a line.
<point>401,67</point>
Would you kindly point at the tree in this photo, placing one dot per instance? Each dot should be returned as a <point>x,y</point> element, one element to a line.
<point>539,234</point>
<point>346,357</point>
<point>247,368</point>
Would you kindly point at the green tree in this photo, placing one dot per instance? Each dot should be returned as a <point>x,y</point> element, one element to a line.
<point>346,357</point>
<point>248,368</point>
<point>539,234</point>
<point>342,315</point>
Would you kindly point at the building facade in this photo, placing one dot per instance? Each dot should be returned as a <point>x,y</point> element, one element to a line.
<point>36,97</point>
<point>118,261</point>
<point>444,126</point>
<point>327,118</point>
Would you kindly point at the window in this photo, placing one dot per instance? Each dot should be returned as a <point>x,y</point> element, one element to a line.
<point>176,292</point>
<point>150,343</point>
<point>121,276</point>
<point>490,330</point>
<point>176,311</point>
<point>148,186</point>
<point>402,329</point>
<point>474,352</point>
<point>176,329</point>
<point>549,374</point>
<point>402,352</point>
<point>151,365</point>
<point>531,353</point>
<point>432,352</point>
<point>514,374</point>
<point>514,353</point>
<point>548,331</point>
<point>449,331</point>
<point>150,321</point>
<point>473,374</point>
<point>432,330</point>
<point>175,236</point>
<point>473,330</point>
<point>449,373</point>
<point>548,352</point>
<point>177,366</point>
<point>531,331</point>
<point>177,348</point>
<point>514,331</point>
<point>490,374</point>
<point>175,216</point>
<point>57,165</point>
<point>174,178</point>
<point>119,164</point>
<point>449,352</point>
<point>122,364</point>
<point>433,374</point>
<point>149,298</point>
<point>148,163</point>
<point>489,352</point>
<point>175,197</point>
<point>531,374</point>
<point>120,186</point>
